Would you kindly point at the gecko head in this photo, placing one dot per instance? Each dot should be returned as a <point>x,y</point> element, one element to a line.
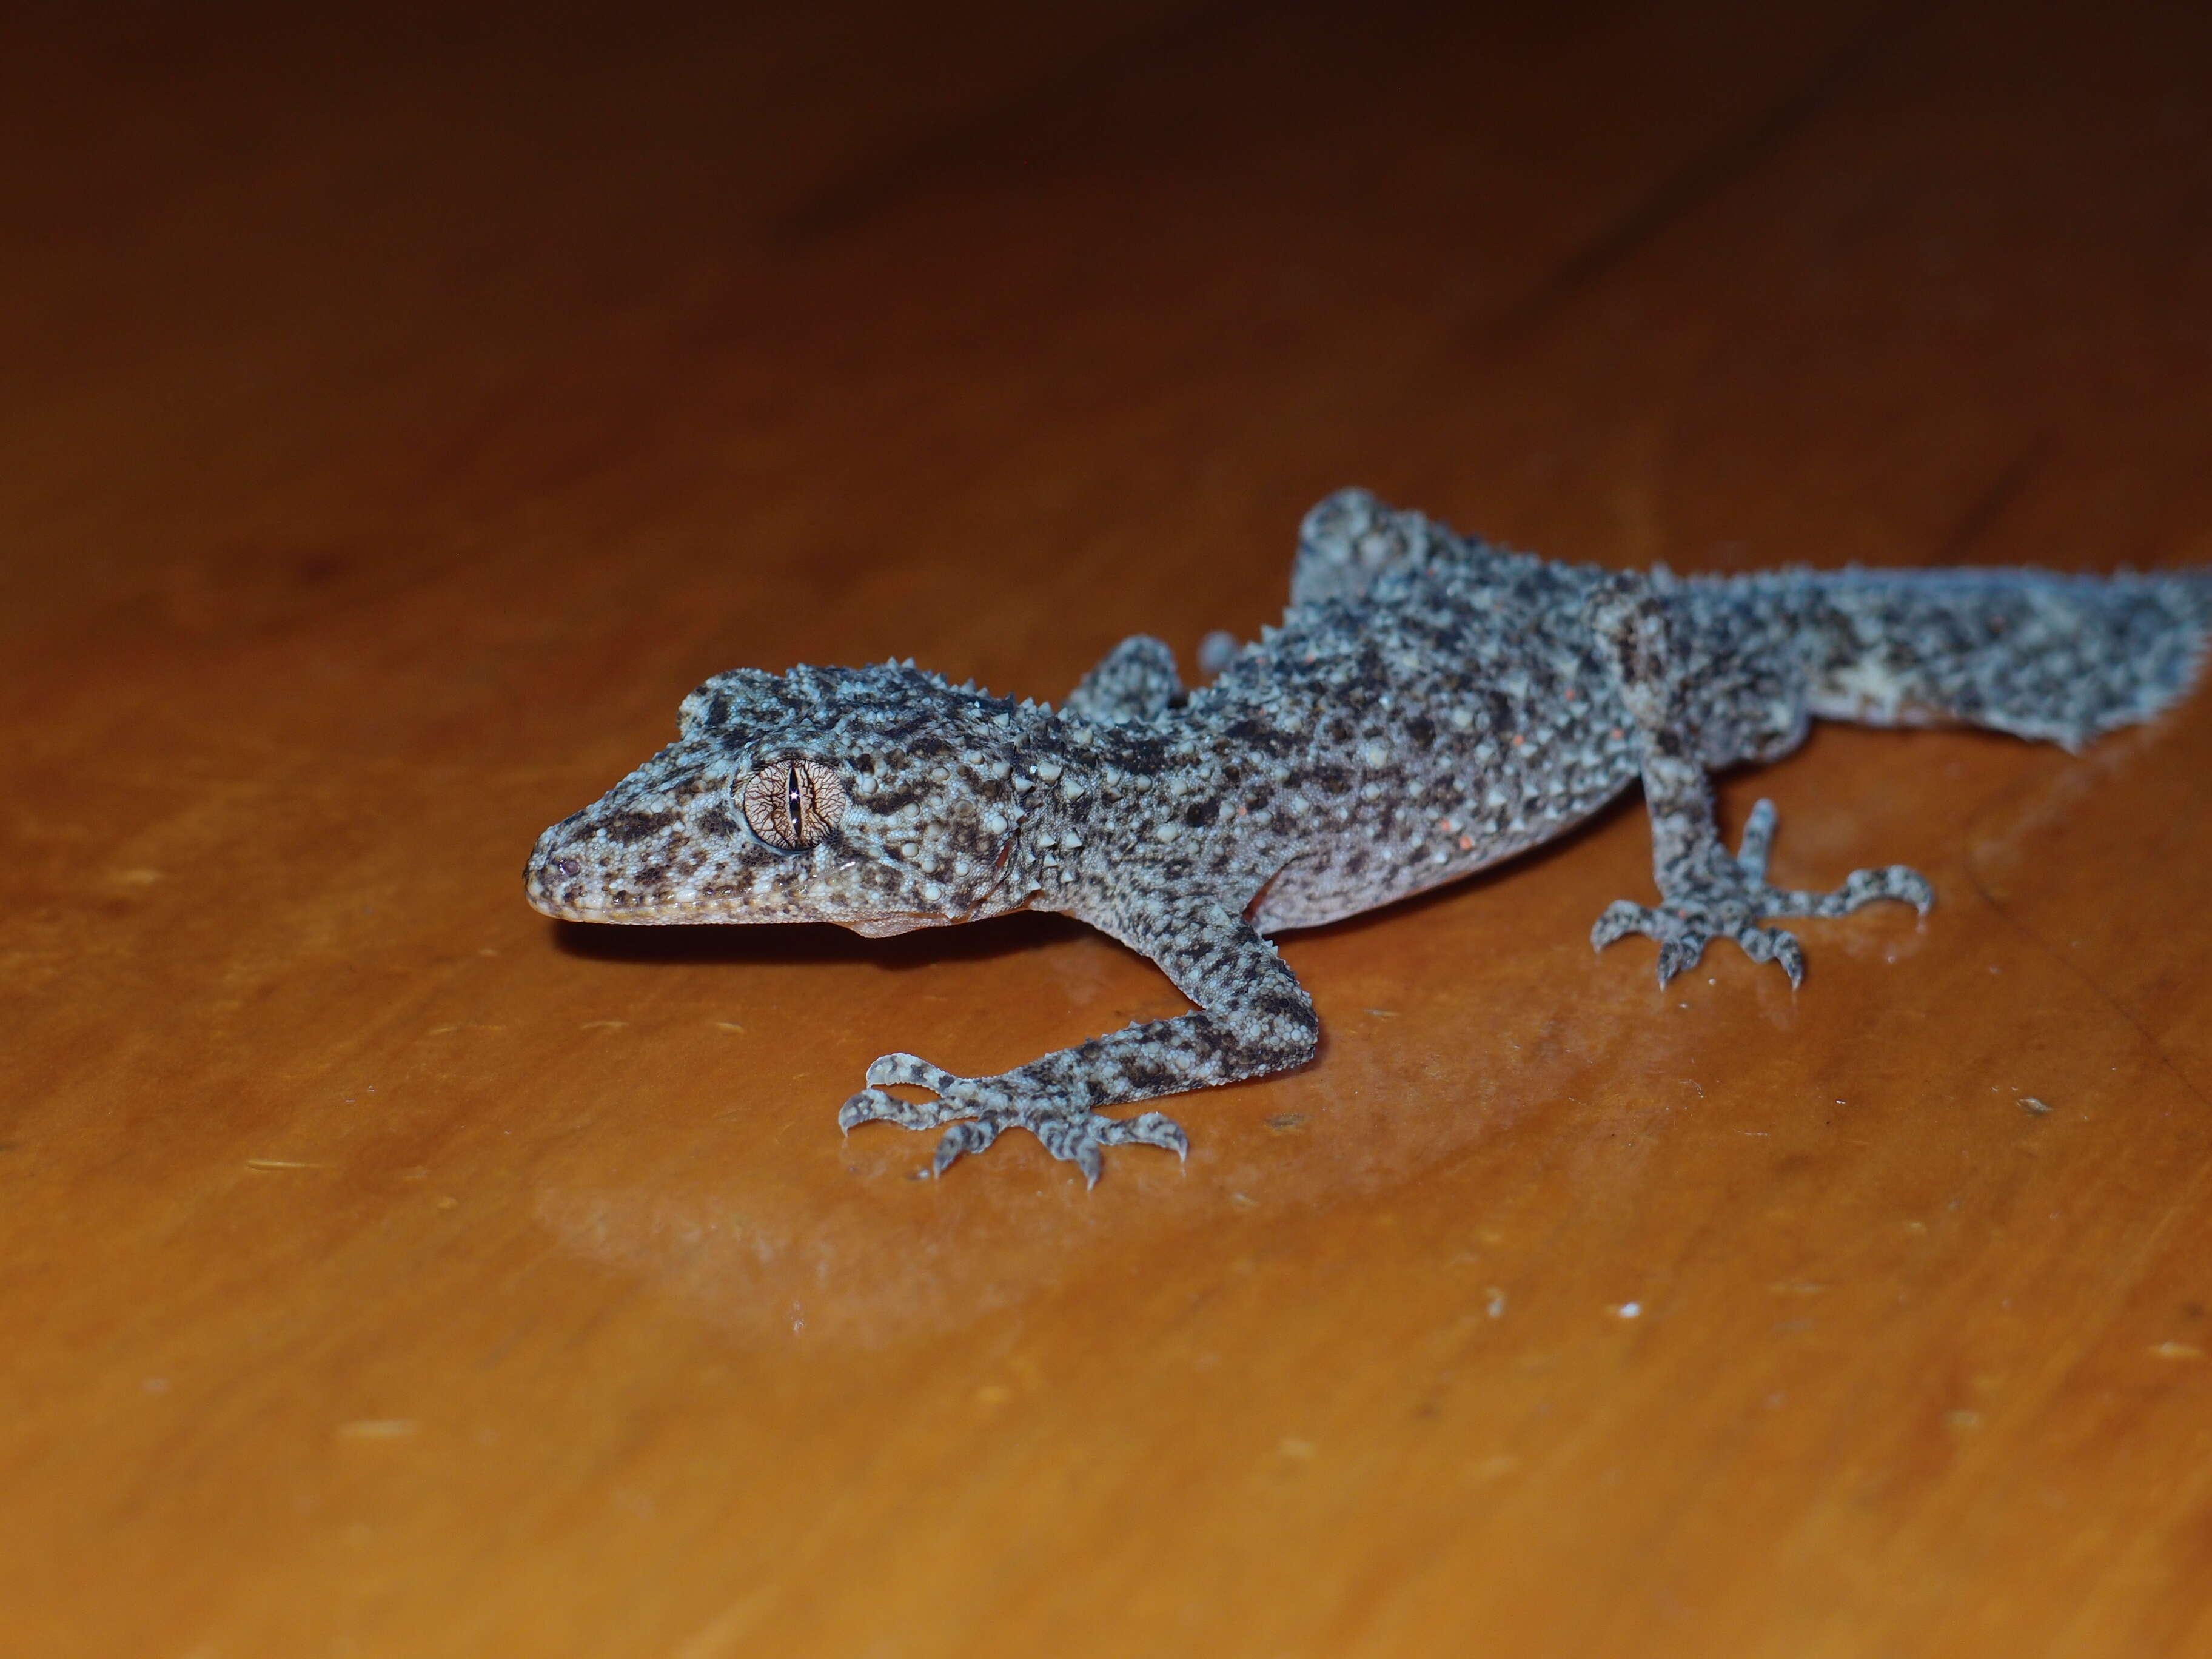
<point>881,799</point>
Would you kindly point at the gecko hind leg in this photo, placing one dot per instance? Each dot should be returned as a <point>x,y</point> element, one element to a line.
<point>975,1111</point>
<point>1685,717</point>
<point>1727,898</point>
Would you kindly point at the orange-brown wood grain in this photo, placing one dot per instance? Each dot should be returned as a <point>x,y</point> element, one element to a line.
<point>400,414</point>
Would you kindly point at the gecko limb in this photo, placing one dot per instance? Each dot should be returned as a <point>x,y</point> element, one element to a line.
<point>1254,1018</point>
<point>1135,681</point>
<point>1350,541</point>
<point>1705,892</point>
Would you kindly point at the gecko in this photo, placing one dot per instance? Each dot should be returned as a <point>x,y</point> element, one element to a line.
<point>1431,704</point>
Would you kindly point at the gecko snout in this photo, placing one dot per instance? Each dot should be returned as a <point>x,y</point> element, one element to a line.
<point>552,879</point>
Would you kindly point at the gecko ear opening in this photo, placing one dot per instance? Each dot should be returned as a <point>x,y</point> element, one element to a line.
<point>791,804</point>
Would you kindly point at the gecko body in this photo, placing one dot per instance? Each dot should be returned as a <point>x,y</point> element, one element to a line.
<point>1430,704</point>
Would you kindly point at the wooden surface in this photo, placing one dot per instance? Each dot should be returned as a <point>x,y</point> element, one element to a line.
<point>399,415</point>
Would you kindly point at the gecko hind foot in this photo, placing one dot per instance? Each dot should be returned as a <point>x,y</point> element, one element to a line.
<point>975,1111</point>
<point>1729,903</point>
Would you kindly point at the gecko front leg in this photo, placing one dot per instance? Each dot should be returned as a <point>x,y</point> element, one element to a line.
<point>1135,681</point>
<point>1253,1017</point>
<point>1705,892</point>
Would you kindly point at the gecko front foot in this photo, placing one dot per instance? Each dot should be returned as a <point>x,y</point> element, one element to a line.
<point>975,1110</point>
<point>1727,902</point>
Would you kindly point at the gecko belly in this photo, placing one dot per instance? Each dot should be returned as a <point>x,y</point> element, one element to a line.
<point>1329,885</point>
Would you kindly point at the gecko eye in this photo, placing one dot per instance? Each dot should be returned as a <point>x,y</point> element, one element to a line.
<point>792,803</point>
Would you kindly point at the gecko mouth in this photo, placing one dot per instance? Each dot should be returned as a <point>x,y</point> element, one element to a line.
<point>570,878</point>
<point>566,886</point>
<point>564,889</point>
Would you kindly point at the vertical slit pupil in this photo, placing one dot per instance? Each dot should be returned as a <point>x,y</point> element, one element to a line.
<point>794,803</point>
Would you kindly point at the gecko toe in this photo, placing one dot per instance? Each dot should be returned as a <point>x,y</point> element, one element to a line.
<point>1896,881</point>
<point>1866,886</point>
<point>1619,920</point>
<point>864,1107</point>
<point>1680,953</point>
<point>874,1106</point>
<point>1091,1162</point>
<point>888,1069</point>
<point>1757,841</point>
<point>1907,886</point>
<point>1148,1129</point>
<point>1774,945</point>
<point>1074,1140</point>
<point>1680,935</point>
<point>973,1135</point>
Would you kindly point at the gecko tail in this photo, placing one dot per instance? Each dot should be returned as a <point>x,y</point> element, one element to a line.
<point>2062,658</point>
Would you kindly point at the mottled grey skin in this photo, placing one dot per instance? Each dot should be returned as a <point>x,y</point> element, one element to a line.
<point>1430,705</point>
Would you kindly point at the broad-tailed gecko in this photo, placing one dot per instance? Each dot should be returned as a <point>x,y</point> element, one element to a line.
<point>1429,705</point>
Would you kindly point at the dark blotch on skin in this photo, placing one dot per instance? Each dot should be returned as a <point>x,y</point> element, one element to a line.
<point>628,829</point>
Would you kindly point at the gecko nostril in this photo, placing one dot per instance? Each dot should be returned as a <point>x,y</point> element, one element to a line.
<point>569,866</point>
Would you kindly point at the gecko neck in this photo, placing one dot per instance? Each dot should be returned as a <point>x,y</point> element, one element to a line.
<point>1090,783</point>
